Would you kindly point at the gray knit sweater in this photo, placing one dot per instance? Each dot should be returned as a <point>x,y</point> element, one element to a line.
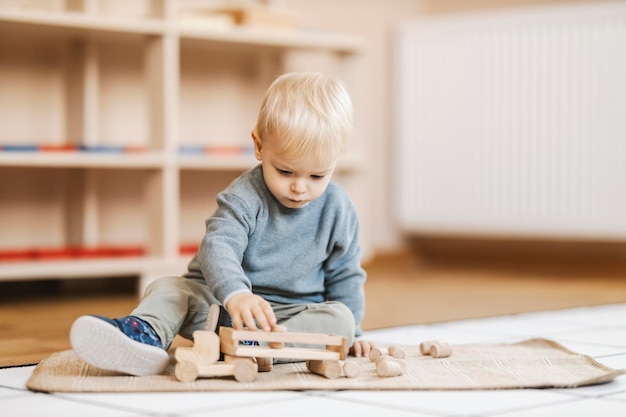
<point>290,256</point>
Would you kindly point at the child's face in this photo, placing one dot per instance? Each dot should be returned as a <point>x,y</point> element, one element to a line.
<point>294,182</point>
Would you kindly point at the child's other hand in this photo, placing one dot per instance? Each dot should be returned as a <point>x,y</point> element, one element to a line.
<point>361,348</point>
<point>245,308</point>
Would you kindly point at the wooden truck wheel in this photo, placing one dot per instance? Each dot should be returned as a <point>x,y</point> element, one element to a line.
<point>186,371</point>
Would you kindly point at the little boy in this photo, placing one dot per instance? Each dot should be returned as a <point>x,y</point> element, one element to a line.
<point>281,249</point>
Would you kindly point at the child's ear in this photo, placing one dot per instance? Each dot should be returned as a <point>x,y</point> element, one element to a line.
<point>257,145</point>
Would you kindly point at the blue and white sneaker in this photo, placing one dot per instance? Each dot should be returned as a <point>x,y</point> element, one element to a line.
<point>128,345</point>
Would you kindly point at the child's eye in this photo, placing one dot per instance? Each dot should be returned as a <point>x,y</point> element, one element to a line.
<point>283,172</point>
<point>317,177</point>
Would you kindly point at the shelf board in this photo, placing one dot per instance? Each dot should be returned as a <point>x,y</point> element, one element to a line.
<point>215,163</point>
<point>77,268</point>
<point>148,160</point>
<point>276,38</point>
<point>82,21</point>
<point>347,163</point>
<point>143,160</point>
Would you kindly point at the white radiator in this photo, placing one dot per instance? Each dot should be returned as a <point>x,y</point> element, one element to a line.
<point>513,123</point>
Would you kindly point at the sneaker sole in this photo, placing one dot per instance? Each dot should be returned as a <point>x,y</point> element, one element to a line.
<point>104,346</point>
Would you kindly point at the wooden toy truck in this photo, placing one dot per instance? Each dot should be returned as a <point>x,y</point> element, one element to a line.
<point>243,361</point>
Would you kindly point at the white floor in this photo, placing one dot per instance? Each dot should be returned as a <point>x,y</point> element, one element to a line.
<point>596,331</point>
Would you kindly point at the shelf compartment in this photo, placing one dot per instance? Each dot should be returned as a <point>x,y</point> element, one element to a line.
<point>45,209</point>
<point>225,93</point>
<point>78,90</point>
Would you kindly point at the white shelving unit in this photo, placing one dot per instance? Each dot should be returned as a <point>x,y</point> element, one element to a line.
<point>98,100</point>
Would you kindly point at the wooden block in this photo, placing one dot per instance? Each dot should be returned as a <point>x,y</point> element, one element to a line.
<point>330,369</point>
<point>232,359</point>
<point>286,353</point>
<point>216,370</point>
<point>388,367</point>
<point>242,369</point>
<point>188,371</point>
<point>440,350</point>
<point>234,336</point>
<point>229,344</point>
<point>187,354</point>
<point>207,344</point>
<point>341,348</point>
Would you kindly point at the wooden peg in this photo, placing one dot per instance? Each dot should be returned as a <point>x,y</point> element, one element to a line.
<point>277,345</point>
<point>351,369</point>
<point>393,351</point>
<point>377,352</point>
<point>333,369</point>
<point>388,367</point>
<point>265,364</point>
<point>425,347</point>
<point>396,352</point>
<point>440,350</point>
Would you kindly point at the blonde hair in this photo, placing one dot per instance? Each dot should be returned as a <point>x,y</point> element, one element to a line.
<point>306,113</point>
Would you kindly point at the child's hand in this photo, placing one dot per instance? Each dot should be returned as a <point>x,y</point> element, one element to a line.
<point>245,308</point>
<point>361,348</point>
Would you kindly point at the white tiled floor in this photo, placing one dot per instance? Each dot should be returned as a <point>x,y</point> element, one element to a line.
<point>596,331</point>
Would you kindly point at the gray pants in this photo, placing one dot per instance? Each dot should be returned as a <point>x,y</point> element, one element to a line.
<point>178,305</point>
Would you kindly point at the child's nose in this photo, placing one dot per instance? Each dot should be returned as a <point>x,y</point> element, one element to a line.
<point>298,186</point>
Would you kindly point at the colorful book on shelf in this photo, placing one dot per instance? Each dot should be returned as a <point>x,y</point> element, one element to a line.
<point>70,252</point>
<point>70,147</point>
<point>215,150</point>
<point>114,149</point>
<point>63,147</point>
<point>188,248</point>
<point>8,147</point>
<point>120,149</point>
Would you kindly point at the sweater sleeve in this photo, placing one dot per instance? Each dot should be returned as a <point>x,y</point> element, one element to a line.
<point>223,246</point>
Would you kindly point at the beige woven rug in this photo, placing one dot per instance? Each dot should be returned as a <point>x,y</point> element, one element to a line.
<point>535,363</point>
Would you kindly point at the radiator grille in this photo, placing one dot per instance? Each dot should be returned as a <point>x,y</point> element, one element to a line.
<point>513,123</point>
